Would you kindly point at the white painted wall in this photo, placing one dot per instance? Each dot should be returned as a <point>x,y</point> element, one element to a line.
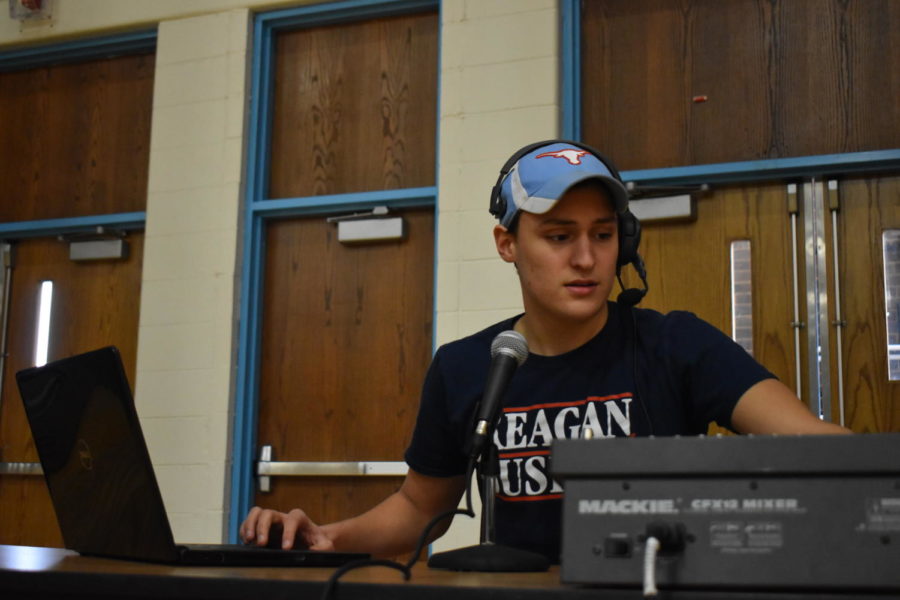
<point>190,276</point>
<point>499,90</point>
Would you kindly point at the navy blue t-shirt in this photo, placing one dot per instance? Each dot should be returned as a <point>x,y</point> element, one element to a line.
<point>688,374</point>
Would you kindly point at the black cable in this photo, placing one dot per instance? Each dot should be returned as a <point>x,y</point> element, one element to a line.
<point>635,339</point>
<point>331,584</point>
<point>469,512</point>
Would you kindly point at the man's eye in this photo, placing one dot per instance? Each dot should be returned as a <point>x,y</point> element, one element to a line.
<point>557,237</point>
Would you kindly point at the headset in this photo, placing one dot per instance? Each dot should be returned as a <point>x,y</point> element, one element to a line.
<point>629,228</point>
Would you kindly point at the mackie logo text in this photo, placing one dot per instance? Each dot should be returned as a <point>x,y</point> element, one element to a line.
<point>664,506</point>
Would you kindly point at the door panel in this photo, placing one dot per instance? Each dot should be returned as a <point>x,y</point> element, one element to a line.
<point>868,207</point>
<point>705,81</point>
<point>75,138</point>
<point>346,341</point>
<point>95,304</point>
<point>355,107</point>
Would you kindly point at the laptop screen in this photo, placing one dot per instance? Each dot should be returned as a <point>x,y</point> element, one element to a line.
<point>94,457</point>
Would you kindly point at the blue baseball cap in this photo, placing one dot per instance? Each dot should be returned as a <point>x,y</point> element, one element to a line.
<point>538,179</point>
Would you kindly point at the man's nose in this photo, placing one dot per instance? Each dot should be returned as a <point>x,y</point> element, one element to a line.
<point>582,253</point>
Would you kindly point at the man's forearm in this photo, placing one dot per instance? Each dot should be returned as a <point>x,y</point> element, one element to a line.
<point>394,526</point>
<point>389,529</point>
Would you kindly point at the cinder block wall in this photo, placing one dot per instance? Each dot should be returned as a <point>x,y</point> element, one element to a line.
<point>190,274</point>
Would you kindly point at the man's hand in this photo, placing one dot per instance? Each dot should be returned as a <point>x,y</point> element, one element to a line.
<point>389,529</point>
<point>296,528</point>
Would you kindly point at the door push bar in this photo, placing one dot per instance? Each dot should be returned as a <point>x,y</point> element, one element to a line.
<point>21,468</point>
<point>266,468</point>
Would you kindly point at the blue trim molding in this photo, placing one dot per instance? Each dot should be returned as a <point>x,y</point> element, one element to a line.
<point>311,205</point>
<point>89,224</point>
<point>327,13</point>
<point>771,169</point>
<point>570,56</point>
<point>29,57</point>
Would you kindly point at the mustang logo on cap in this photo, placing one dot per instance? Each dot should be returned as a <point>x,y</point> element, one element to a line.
<point>570,154</point>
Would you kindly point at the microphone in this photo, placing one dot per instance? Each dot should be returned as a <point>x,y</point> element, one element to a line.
<point>632,296</point>
<point>508,351</point>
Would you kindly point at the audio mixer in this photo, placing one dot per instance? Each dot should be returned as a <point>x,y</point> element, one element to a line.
<point>773,512</point>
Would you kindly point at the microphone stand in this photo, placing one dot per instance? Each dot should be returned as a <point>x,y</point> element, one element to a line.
<point>488,556</point>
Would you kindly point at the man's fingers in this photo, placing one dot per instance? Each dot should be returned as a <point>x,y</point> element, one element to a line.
<point>264,524</point>
<point>248,527</point>
<point>292,522</point>
<point>264,527</point>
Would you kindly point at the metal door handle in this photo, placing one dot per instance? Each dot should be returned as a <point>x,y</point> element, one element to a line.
<point>21,468</point>
<point>266,468</point>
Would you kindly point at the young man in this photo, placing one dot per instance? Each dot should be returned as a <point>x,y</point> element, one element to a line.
<point>593,364</point>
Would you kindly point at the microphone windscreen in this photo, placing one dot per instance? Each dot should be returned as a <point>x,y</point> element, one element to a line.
<point>512,343</point>
<point>630,297</point>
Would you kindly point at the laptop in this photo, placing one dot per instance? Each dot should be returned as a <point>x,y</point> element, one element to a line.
<point>100,477</point>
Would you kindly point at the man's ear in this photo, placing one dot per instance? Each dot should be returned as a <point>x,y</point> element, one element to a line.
<point>506,243</point>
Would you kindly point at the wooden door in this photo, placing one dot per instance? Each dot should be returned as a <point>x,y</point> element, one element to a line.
<point>74,142</point>
<point>94,304</point>
<point>868,207</point>
<point>345,345</point>
<point>346,333</point>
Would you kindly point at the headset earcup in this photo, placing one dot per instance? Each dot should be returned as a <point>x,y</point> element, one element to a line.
<point>629,238</point>
<point>498,204</point>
